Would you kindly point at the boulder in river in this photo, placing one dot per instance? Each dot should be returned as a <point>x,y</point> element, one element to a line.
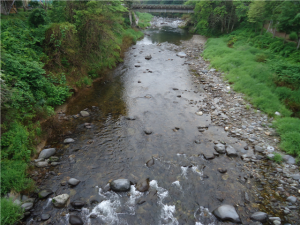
<point>220,148</point>
<point>46,153</point>
<point>227,213</point>
<point>45,193</point>
<point>75,220</point>
<point>84,113</point>
<point>45,216</point>
<point>181,54</point>
<point>60,200</point>
<point>78,204</point>
<point>120,185</point>
<point>143,185</point>
<point>73,181</point>
<point>259,216</point>
<point>27,206</point>
<point>231,151</point>
<point>68,140</point>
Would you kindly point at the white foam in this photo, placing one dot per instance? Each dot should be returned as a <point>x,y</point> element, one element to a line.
<point>204,217</point>
<point>47,204</point>
<point>197,171</point>
<point>184,171</point>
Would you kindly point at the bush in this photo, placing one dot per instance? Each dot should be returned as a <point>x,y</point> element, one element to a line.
<point>38,17</point>
<point>144,19</point>
<point>10,212</point>
<point>277,158</point>
<point>293,36</point>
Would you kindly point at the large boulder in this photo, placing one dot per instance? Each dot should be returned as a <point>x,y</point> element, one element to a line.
<point>46,153</point>
<point>231,151</point>
<point>220,148</point>
<point>75,220</point>
<point>227,213</point>
<point>60,200</point>
<point>259,216</point>
<point>120,185</point>
<point>143,185</point>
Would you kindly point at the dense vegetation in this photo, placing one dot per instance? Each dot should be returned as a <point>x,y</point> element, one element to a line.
<point>46,52</point>
<point>258,63</point>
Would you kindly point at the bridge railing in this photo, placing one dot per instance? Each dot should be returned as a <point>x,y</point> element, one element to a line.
<point>144,6</point>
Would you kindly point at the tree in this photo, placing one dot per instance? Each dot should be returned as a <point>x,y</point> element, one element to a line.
<point>256,13</point>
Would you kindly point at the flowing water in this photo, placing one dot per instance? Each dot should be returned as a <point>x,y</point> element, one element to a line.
<point>157,95</point>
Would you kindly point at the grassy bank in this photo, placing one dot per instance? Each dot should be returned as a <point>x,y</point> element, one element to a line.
<point>267,71</point>
<point>44,56</point>
<point>144,19</point>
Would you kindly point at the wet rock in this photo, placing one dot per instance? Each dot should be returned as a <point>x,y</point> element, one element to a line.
<point>45,216</point>
<point>259,216</point>
<point>46,153</point>
<point>247,199</point>
<point>73,181</point>
<point>93,215</point>
<point>148,57</point>
<point>227,213</point>
<point>258,148</point>
<point>270,156</point>
<point>181,54</point>
<point>208,156</point>
<point>289,159</point>
<point>84,113</point>
<point>68,140</point>
<point>199,113</point>
<point>120,185</point>
<point>27,206</point>
<point>296,176</point>
<point>41,164</point>
<point>150,162</point>
<point>231,151</point>
<point>75,220</point>
<point>143,185</point>
<point>60,200</point>
<point>220,148</point>
<point>130,118</point>
<point>148,131</point>
<point>137,65</point>
<point>292,199</point>
<point>78,204</point>
<point>45,193</point>
<point>221,170</point>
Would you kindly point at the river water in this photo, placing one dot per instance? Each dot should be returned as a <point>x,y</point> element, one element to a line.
<point>157,96</point>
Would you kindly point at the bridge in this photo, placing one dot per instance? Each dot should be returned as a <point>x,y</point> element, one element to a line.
<point>163,8</point>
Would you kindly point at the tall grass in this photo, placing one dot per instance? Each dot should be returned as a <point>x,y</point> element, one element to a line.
<point>144,19</point>
<point>10,212</point>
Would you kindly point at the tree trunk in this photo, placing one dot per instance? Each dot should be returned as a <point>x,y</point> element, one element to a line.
<point>284,38</point>
<point>298,41</point>
<point>269,26</point>
<point>274,32</point>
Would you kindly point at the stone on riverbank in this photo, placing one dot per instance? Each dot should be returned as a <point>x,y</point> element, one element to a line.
<point>143,185</point>
<point>68,140</point>
<point>45,217</point>
<point>289,159</point>
<point>84,113</point>
<point>46,153</point>
<point>227,213</point>
<point>231,151</point>
<point>27,206</point>
<point>75,220</point>
<point>150,162</point>
<point>181,54</point>
<point>258,148</point>
<point>208,156</point>
<point>120,185</point>
<point>220,148</point>
<point>73,181</point>
<point>292,199</point>
<point>41,164</point>
<point>44,193</point>
<point>259,216</point>
<point>60,200</point>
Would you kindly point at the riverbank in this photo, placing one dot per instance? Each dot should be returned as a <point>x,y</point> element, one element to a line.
<point>169,118</point>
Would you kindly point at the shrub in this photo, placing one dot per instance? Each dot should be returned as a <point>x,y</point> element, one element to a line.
<point>38,17</point>
<point>277,158</point>
<point>10,212</point>
<point>290,142</point>
<point>293,36</point>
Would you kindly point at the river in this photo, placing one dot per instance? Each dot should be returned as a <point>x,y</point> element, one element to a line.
<point>146,110</point>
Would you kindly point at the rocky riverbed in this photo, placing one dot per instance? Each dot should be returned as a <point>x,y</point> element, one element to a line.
<point>162,140</point>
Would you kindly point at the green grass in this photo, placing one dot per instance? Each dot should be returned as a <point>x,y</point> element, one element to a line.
<point>277,158</point>
<point>10,213</point>
<point>144,19</point>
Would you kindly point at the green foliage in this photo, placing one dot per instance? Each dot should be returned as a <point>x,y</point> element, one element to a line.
<point>10,212</point>
<point>277,158</point>
<point>144,19</point>
<point>38,17</point>
<point>290,142</point>
<point>57,13</point>
<point>293,36</point>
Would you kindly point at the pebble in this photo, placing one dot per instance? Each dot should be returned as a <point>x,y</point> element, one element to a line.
<point>220,148</point>
<point>69,140</point>
<point>84,113</point>
<point>227,213</point>
<point>75,220</point>
<point>45,216</point>
<point>292,199</point>
<point>259,216</point>
<point>73,181</point>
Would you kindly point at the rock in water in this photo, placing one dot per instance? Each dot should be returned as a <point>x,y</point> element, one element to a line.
<point>220,148</point>
<point>120,185</point>
<point>75,220</point>
<point>227,213</point>
<point>60,200</point>
<point>41,164</point>
<point>181,54</point>
<point>68,140</point>
<point>84,113</point>
<point>46,153</point>
<point>208,156</point>
<point>148,57</point>
<point>27,206</point>
<point>259,216</point>
<point>143,185</point>
<point>150,162</point>
<point>45,217</point>
<point>44,193</point>
<point>73,181</point>
<point>78,204</point>
<point>231,151</point>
